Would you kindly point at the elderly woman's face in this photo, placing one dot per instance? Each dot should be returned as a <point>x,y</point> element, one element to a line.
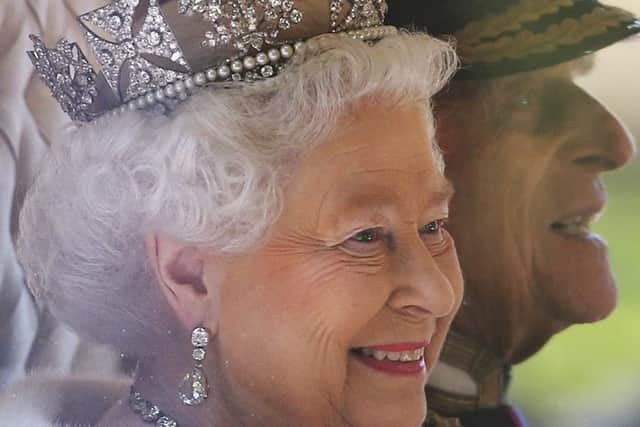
<point>529,160</point>
<point>326,324</point>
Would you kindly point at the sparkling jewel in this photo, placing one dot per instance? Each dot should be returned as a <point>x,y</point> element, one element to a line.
<point>267,71</point>
<point>194,388</point>
<point>361,13</point>
<point>115,21</point>
<point>155,38</point>
<point>166,422</point>
<point>129,51</point>
<point>125,48</point>
<point>271,14</point>
<point>284,24</point>
<point>136,402</point>
<point>86,99</point>
<point>296,16</point>
<point>200,337</point>
<point>287,5</point>
<point>150,413</point>
<point>240,24</point>
<point>199,354</point>
<point>105,57</point>
<point>82,80</point>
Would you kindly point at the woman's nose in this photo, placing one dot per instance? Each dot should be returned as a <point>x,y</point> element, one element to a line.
<point>604,142</point>
<point>421,289</point>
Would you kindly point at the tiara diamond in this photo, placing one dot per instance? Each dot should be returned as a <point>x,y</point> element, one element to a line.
<point>361,14</point>
<point>243,24</point>
<point>145,68</point>
<point>69,76</point>
<point>154,41</point>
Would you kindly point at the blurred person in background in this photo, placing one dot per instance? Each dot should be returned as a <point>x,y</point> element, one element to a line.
<point>30,339</point>
<point>530,158</point>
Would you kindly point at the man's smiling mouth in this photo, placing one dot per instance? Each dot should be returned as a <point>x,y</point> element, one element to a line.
<point>576,226</point>
<point>578,222</point>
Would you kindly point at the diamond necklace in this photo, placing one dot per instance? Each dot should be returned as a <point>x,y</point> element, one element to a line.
<point>149,412</point>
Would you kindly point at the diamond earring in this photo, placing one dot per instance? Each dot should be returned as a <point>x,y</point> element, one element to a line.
<point>193,389</point>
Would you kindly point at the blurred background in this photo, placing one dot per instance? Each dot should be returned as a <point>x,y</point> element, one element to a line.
<point>589,375</point>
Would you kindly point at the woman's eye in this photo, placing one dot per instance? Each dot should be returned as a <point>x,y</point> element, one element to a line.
<point>366,242</point>
<point>367,236</point>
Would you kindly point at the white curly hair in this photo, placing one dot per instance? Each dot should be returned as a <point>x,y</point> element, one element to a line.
<point>211,173</point>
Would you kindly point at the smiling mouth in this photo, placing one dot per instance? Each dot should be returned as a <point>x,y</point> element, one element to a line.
<point>394,359</point>
<point>576,226</point>
<point>393,356</point>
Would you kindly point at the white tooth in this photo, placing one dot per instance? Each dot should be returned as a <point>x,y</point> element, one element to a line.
<point>418,353</point>
<point>406,356</point>
<point>379,355</point>
<point>394,356</point>
<point>577,228</point>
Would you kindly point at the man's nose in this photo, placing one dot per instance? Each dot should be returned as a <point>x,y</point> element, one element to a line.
<point>604,142</point>
<point>421,287</point>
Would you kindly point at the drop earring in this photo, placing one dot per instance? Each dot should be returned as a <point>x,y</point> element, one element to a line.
<point>194,388</point>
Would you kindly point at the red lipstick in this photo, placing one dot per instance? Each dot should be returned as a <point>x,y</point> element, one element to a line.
<point>409,358</point>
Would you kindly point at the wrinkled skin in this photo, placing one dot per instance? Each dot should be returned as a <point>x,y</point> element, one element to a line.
<point>314,292</point>
<point>358,258</point>
<point>531,154</point>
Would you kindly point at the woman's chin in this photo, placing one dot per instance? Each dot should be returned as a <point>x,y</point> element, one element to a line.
<point>398,415</point>
<point>404,407</point>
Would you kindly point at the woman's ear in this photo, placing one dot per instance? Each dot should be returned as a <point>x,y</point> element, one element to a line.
<point>179,273</point>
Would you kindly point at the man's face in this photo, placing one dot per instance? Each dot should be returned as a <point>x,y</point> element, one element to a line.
<point>526,154</point>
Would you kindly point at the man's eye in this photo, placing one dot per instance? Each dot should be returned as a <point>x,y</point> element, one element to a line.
<point>433,226</point>
<point>367,236</point>
<point>433,231</point>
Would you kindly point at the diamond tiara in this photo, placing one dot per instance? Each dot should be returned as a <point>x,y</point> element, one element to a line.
<point>143,67</point>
